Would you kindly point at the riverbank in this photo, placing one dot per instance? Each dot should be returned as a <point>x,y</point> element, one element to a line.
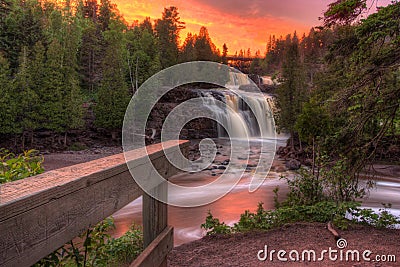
<point>187,221</point>
<point>242,249</point>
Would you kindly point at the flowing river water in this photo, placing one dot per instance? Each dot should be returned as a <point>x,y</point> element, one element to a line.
<point>251,117</point>
<point>187,221</point>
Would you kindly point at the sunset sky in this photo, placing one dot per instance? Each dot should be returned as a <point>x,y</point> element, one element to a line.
<point>241,24</point>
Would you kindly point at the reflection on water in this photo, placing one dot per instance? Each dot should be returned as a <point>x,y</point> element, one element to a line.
<point>187,221</point>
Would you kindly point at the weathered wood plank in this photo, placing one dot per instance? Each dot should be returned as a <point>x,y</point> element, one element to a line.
<point>39,189</point>
<point>41,213</point>
<point>156,253</point>
<point>28,237</point>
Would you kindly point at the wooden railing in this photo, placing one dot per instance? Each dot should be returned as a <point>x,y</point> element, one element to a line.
<point>41,213</point>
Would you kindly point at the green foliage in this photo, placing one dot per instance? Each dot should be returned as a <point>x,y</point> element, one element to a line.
<point>305,188</point>
<point>292,92</point>
<point>262,219</point>
<point>340,183</point>
<point>8,106</point>
<point>344,11</point>
<point>97,248</point>
<point>313,121</point>
<point>21,25</point>
<point>322,212</point>
<point>143,56</point>
<point>113,96</point>
<point>126,248</point>
<point>213,226</point>
<point>325,196</point>
<point>352,83</point>
<point>14,167</point>
<point>199,48</point>
<point>26,97</point>
<point>53,56</point>
<point>382,219</point>
<point>167,31</point>
<point>362,67</point>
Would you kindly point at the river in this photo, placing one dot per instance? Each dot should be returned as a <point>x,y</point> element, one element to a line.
<point>187,221</point>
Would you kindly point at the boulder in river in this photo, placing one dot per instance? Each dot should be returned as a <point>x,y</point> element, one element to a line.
<point>293,164</point>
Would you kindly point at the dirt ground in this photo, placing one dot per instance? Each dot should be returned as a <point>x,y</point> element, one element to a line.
<point>54,161</point>
<point>242,249</point>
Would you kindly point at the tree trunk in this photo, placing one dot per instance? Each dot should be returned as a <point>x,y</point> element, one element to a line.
<point>32,133</point>
<point>15,142</point>
<point>292,140</point>
<point>313,155</point>
<point>136,73</point>
<point>23,141</point>
<point>300,144</point>
<point>113,135</point>
<point>131,76</point>
<point>65,139</point>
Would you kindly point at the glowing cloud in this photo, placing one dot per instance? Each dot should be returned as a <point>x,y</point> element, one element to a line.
<point>240,24</point>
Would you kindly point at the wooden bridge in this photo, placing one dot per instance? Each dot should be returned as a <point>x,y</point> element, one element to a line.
<point>238,58</point>
<point>40,214</point>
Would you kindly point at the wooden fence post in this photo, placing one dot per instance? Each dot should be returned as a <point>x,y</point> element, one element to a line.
<point>155,215</point>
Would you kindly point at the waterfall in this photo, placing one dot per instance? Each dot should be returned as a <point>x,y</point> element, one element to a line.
<point>237,79</point>
<point>244,113</point>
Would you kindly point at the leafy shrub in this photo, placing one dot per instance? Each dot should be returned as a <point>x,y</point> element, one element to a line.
<point>339,185</point>
<point>331,183</point>
<point>314,196</point>
<point>126,248</point>
<point>305,188</point>
<point>14,167</point>
<point>214,226</point>
<point>97,248</point>
<point>382,219</point>
<point>322,212</point>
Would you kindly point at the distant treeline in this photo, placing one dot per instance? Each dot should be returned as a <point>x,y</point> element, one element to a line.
<point>54,58</point>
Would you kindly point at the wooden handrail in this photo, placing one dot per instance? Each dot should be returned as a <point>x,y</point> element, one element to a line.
<point>41,213</point>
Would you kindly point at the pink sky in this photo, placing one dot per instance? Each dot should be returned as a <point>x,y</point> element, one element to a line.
<point>241,24</point>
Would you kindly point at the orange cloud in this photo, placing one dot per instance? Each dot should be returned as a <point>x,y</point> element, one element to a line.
<point>240,24</point>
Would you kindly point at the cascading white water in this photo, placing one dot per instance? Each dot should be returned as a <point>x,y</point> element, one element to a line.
<point>245,114</point>
<point>236,79</point>
<point>229,117</point>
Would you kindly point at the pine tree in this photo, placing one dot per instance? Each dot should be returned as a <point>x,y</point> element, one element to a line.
<point>204,48</point>
<point>188,51</point>
<point>28,100</point>
<point>167,31</point>
<point>224,54</point>
<point>8,101</point>
<point>51,90</point>
<point>113,96</point>
<point>22,26</point>
<point>143,56</point>
<point>291,93</point>
<point>72,92</point>
<point>146,25</point>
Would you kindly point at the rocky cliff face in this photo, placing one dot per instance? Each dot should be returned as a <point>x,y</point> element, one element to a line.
<point>195,129</point>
